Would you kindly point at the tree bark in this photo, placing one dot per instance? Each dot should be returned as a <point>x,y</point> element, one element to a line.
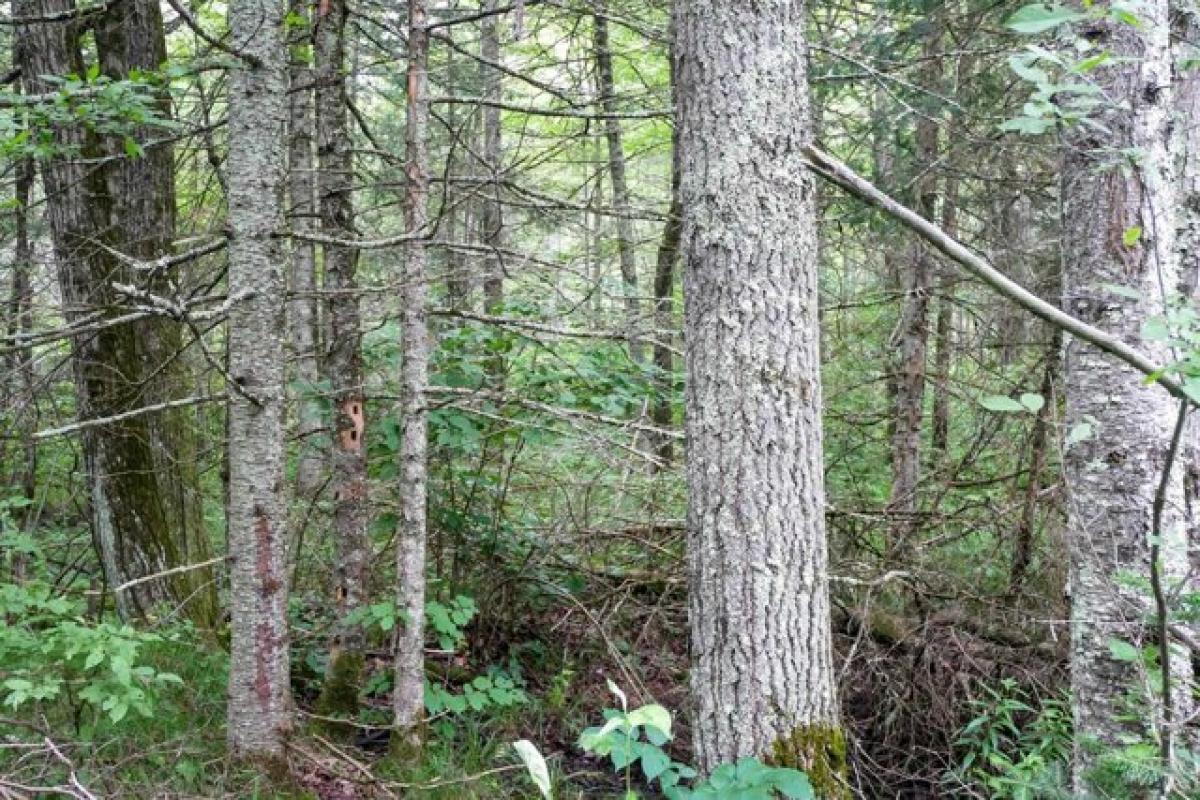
<point>664,309</point>
<point>302,308</point>
<point>762,670</point>
<point>260,708</point>
<point>912,340</point>
<point>620,190</point>
<point>408,703</point>
<point>491,215</point>
<point>1113,477</point>
<point>343,361</point>
<point>143,492</point>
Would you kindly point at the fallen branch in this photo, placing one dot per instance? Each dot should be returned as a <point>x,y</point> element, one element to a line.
<point>854,184</point>
<point>127,585</point>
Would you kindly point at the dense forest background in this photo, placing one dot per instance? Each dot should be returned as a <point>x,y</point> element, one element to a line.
<point>468,288</point>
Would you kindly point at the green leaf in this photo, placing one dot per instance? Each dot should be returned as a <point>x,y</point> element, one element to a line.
<point>535,764</point>
<point>1080,431</point>
<point>1032,126</point>
<point>1123,651</point>
<point>1033,402</point>
<point>1041,17</point>
<point>1132,235</point>
<point>794,784</point>
<point>1000,403</point>
<point>654,761</point>
<point>654,716</point>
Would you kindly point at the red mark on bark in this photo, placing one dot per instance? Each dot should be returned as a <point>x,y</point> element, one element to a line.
<point>263,651</point>
<point>352,425</point>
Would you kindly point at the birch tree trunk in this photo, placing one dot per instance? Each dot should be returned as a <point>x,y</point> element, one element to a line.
<point>408,697</point>
<point>1112,478</point>
<point>762,667</point>
<point>343,361</point>
<point>620,188</point>
<point>260,708</point>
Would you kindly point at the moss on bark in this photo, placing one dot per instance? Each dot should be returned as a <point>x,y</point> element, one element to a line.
<point>819,750</point>
<point>339,695</point>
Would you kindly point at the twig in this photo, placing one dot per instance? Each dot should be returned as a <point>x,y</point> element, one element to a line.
<point>168,572</point>
<point>87,424</point>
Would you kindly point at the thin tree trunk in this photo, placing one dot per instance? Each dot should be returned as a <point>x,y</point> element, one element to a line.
<point>664,311</point>
<point>762,666</point>
<point>408,702</point>
<point>1022,556</point>
<point>19,361</point>
<point>620,189</point>
<point>944,334</point>
<point>302,308</point>
<point>1113,477</point>
<point>343,362</point>
<point>260,708</point>
<point>491,216</point>
<point>912,339</point>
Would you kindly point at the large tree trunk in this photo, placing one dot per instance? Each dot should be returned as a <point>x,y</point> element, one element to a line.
<point>343,361</point>
<point>620,189</point>
<point>144,497</point>
<point>408,697</point>
<point>260,708</point>
<point>762,670</point>
<point>1113,477</point>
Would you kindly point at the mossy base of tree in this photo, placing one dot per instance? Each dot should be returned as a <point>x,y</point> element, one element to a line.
<point>339,694</point>
<point>408,745</point>
<point>820,752</point>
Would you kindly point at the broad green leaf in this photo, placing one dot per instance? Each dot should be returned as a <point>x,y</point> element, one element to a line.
<point>1033,402</point>
<point>1041,17</point>
<point>794,784</point>
<point>654,761</point>
<point>1123,291</point>
<point>1000,403</point>
<point>1123,651</point>
<point>1079,431</point>
<point>654,716</point>
<point>535,764</point>
<point>1132,235</point>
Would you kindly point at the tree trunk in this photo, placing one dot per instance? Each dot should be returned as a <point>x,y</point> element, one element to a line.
<point>144,498</point>
<point>408,698</point>
<point>491,216</point>
<point>19,369</point>
<point>1112,478</point>
<point>664,311</point>
<point>762,670</point>
<point>302,308</point>
<point>620,189</point>
<point>343,361</point>
<point>912,339</point>
<point>260,708</point>
<point>944,334</point>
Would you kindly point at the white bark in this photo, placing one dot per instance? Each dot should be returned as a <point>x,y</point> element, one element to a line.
<point>408,698</point>
<point>259,714</point>
<point>1112,477</point>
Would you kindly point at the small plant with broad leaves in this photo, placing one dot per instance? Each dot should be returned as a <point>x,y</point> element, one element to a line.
<point>635,738</point>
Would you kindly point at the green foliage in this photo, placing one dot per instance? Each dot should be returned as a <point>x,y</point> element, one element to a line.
<point>1013,749</point>
<point>636,738</point>
<point>50,652</point>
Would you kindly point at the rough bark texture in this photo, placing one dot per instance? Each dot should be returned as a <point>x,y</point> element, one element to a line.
<point>260,708</point>
<point>408,697</point>
<point>944,334</point>
<point>617,175</point>
<point>302,308</point>
<point>145,513</point>
<point>762,671</point>
<point>1113,476</point>
<point>343,361</point>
